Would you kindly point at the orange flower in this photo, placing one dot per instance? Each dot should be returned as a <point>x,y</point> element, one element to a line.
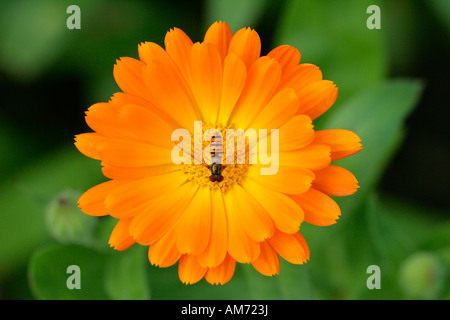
<point>206,218</point>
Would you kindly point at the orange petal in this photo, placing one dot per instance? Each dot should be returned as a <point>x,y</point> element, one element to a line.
<point>343,143</point>
<point>103,118</point>
<point>291,247</point>
<point>92,201</point>
<point>178,46</point>
<point>170,94</point>
<point>189,270</point>
<point>285,213</point>
<point>136,196</point>
<point>206,79</point>
<point>296,133</point>
<point>299,76</point>
<point>149,51</point>
<point>240,246</point>
<point>146,125</point>
<point>128,75</point>
<point>222,273</point>
<point>253,219</point>
<point>164,252</point>
<point>335,181</point>
<point>216,251</point>
<point>166,209</point>
<point>291,180</point>
<point>120,99</point>
<point>234,79</point>
<point>287,56</point>
<point>246,44</point>
<point>120,238</point>
<point>219,34</point>
<point>316,98</point>
<point>86,143</point>
<point>132,153</point>
<point>262,80</point>
<point>319,208</point>
<point>312,157</point>
<point>194,226</point>
<point>268,262</point>
<point>132,173</point>
<point>282,107</point>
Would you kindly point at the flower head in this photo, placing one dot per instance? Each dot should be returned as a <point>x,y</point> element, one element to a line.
<point>206,198</point>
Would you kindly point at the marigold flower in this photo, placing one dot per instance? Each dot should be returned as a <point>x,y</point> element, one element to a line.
<point>206,218</point>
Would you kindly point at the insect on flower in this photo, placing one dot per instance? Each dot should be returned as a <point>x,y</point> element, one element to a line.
<point>217,159</point>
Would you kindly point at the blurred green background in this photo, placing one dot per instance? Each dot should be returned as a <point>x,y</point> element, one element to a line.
<point>393,93</point>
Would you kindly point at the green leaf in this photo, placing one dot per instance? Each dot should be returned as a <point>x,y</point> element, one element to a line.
<point>295,281</point>
<point>383,232</point>
<point>292,283</point>
<point>114,275</point>
<point>165,284</point>
<point>126,275</point>
<point>49,274</point>
<point>262,287</point>
<point>415,226</point>
<point>340,256</point>
<point>25,196</point>
<point>237,13</point>
<point>333,35</point>
<point>377,115</point>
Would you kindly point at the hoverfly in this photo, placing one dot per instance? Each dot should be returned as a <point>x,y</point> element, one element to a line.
<point>213,156</point>
<point>216,151</point>
<point>216,166</point>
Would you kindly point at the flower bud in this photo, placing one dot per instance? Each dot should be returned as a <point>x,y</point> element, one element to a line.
<point>66,222</point>
<point>422,276</point>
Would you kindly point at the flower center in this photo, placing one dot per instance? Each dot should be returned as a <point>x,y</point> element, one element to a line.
<point>217,166</point>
